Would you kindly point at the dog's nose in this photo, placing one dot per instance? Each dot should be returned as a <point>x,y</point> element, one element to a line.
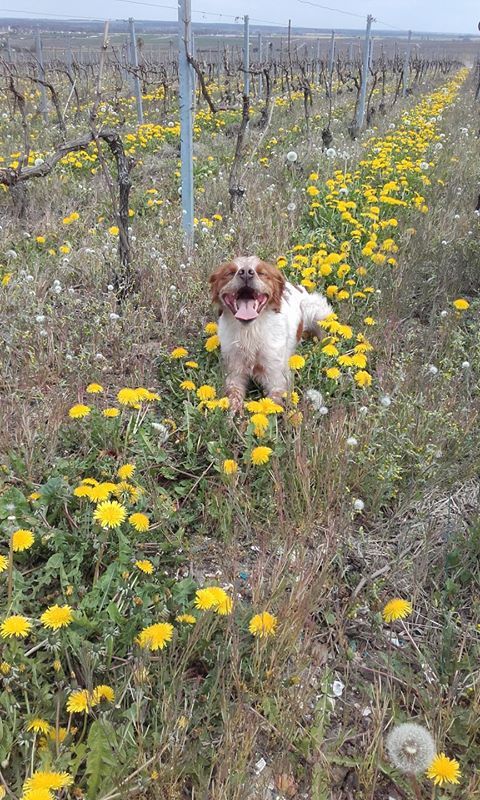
<point>246,274</point>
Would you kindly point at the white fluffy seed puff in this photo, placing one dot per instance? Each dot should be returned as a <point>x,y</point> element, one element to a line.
<point>411,748</point>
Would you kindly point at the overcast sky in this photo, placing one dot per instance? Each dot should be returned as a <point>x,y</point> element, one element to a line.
<point>443,16</point>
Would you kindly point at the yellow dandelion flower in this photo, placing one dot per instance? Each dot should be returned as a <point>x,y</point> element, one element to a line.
<point>369,321</point>
<point>60,735</point>
<point>188,386</point>
<point>260,423</point>
<point>101,491</point>
<point>345,331</point>
<point>444,770</point>
<point>56,617</point>
<point>223,602</point>
<point>363,378</point>
<point>206,392</point>
<point>38,794</point>
<point>110,514</point>
<point>396,609</point>
<point>34,496</point>
<point>16,625</point>
<point>114,230</point>
<point>146,394</point>
<point>110,413</point>
<point>179,352</point>
<point>345,360</point>
<point>40,239</point>
<point>126,471</point>
<point>128,397</point>
<point>103,692</point>
<point>333,373</point>
<point>264,406</point>
<point>211,328</point>
<point>296,361</point>
<point>230,466</point>
<point>139,521</point>
<point>145,566</point>
<point>45,781</point>
<point>79,702</point>
<point>189,619</point>
<point>460,304</point>
<point>22,540</point>
<point>3,563</point>
<point>260,455</point>
<point>39,725</point>
<point>359,360</point>
<point>83,491</point>
<point>263,624</point>
<point>215,598</point>
<point>294,398</point>
<point>191,364</point>
<point>330,350</point>
<point>212,343</point>
<point>79,411</point>
<point>134,491</point>
<point>205,598</point>
<point>94,388</point>
<point>156,637</point>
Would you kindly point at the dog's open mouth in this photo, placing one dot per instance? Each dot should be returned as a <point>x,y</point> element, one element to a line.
<point>246,304</point>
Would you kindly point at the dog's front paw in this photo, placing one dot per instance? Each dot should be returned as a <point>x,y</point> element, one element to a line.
<point>236,405</point>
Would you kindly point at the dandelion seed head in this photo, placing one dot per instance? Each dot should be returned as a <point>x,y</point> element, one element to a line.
<point>410,747</point>
<point>315,398</point>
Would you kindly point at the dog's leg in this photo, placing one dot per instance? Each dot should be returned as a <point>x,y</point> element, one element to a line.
<point>236,386</point>
<point>236,395</point>
<point>275,381</point>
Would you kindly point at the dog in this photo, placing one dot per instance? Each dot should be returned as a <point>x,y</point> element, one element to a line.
<point>262,318</point>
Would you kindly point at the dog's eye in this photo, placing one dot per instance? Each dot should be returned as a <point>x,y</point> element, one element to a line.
<point>259,272</point>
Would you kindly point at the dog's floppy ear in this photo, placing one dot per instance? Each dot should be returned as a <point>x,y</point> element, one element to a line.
<point>219,278</point>
<point>276,280</point>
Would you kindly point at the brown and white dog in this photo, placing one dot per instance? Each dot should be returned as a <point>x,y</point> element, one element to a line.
<point>262,318</point>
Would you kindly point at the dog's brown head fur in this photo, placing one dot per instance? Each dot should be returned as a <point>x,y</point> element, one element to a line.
<point>246,286</point>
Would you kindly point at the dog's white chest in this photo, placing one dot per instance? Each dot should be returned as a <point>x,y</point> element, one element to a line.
<point>251,340</point>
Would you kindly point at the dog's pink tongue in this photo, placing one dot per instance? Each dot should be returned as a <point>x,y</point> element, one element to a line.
<point>247,309</point>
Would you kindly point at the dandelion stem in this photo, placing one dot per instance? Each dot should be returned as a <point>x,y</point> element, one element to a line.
<point>416,788</point>
<point>101,551</point>
<point>32,759</point>
<point>57,726</point>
